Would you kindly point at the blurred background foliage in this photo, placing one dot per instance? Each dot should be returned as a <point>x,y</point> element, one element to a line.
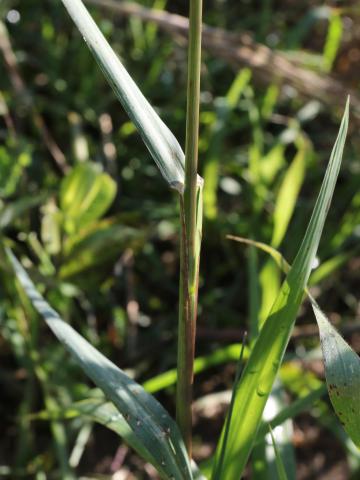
<point>83,206</point>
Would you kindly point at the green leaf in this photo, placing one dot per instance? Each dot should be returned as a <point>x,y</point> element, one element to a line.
<point>342,372</point>
<point>288,194</point>
<point>85,195</point>
<point>342,364</point>
<point>159,140</point>
<point>148,420</point>
<point>267,354</point>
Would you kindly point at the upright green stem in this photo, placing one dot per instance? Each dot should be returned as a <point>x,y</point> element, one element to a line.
<point>191,222</point>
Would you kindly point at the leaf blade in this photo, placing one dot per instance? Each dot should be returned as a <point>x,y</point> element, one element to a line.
<point>148,420</point>
<point>267,354</point>
<point>159,140</point>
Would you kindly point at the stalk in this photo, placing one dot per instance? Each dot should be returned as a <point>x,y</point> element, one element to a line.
<point>191,226</point>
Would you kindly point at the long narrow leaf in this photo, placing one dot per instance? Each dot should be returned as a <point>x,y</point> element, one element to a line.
<point>161,143</point>
<point>260,372</point>
<point>342,364</point>
<point>148,420</point>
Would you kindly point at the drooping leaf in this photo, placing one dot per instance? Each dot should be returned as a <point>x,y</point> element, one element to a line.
<point>267,354</point>
<point>85,195</point>
<point>148,420</point>
<point>342,372</point>
<point>161,143</point>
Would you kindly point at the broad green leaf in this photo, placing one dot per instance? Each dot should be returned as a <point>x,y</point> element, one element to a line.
<point>85,195</point>
<point>342,364</point>
<point>342,372</point>
<point>268,351</point>
<point>270,282</point>
<point>159,140</point>
<point>148,420</point>
<point>288,194</point>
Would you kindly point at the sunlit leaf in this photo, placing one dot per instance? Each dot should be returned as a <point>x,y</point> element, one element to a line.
<point>266,356</point>
<point>288,194</point>
<point>85,195</point>
<point>342,364</point>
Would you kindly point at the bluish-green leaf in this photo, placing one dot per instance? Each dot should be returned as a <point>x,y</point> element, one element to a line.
<point>161,143</point>
<point>148,420</point>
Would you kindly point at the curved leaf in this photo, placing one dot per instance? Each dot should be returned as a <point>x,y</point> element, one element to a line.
<point>150,423</point>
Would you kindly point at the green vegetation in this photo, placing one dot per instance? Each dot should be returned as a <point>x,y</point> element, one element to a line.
<point>93,243</point>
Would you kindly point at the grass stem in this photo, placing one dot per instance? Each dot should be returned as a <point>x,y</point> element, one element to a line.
<point>191,222</point>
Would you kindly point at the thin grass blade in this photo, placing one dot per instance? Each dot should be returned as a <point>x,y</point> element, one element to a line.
<point>342,364</point>
<point>267,354</point>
